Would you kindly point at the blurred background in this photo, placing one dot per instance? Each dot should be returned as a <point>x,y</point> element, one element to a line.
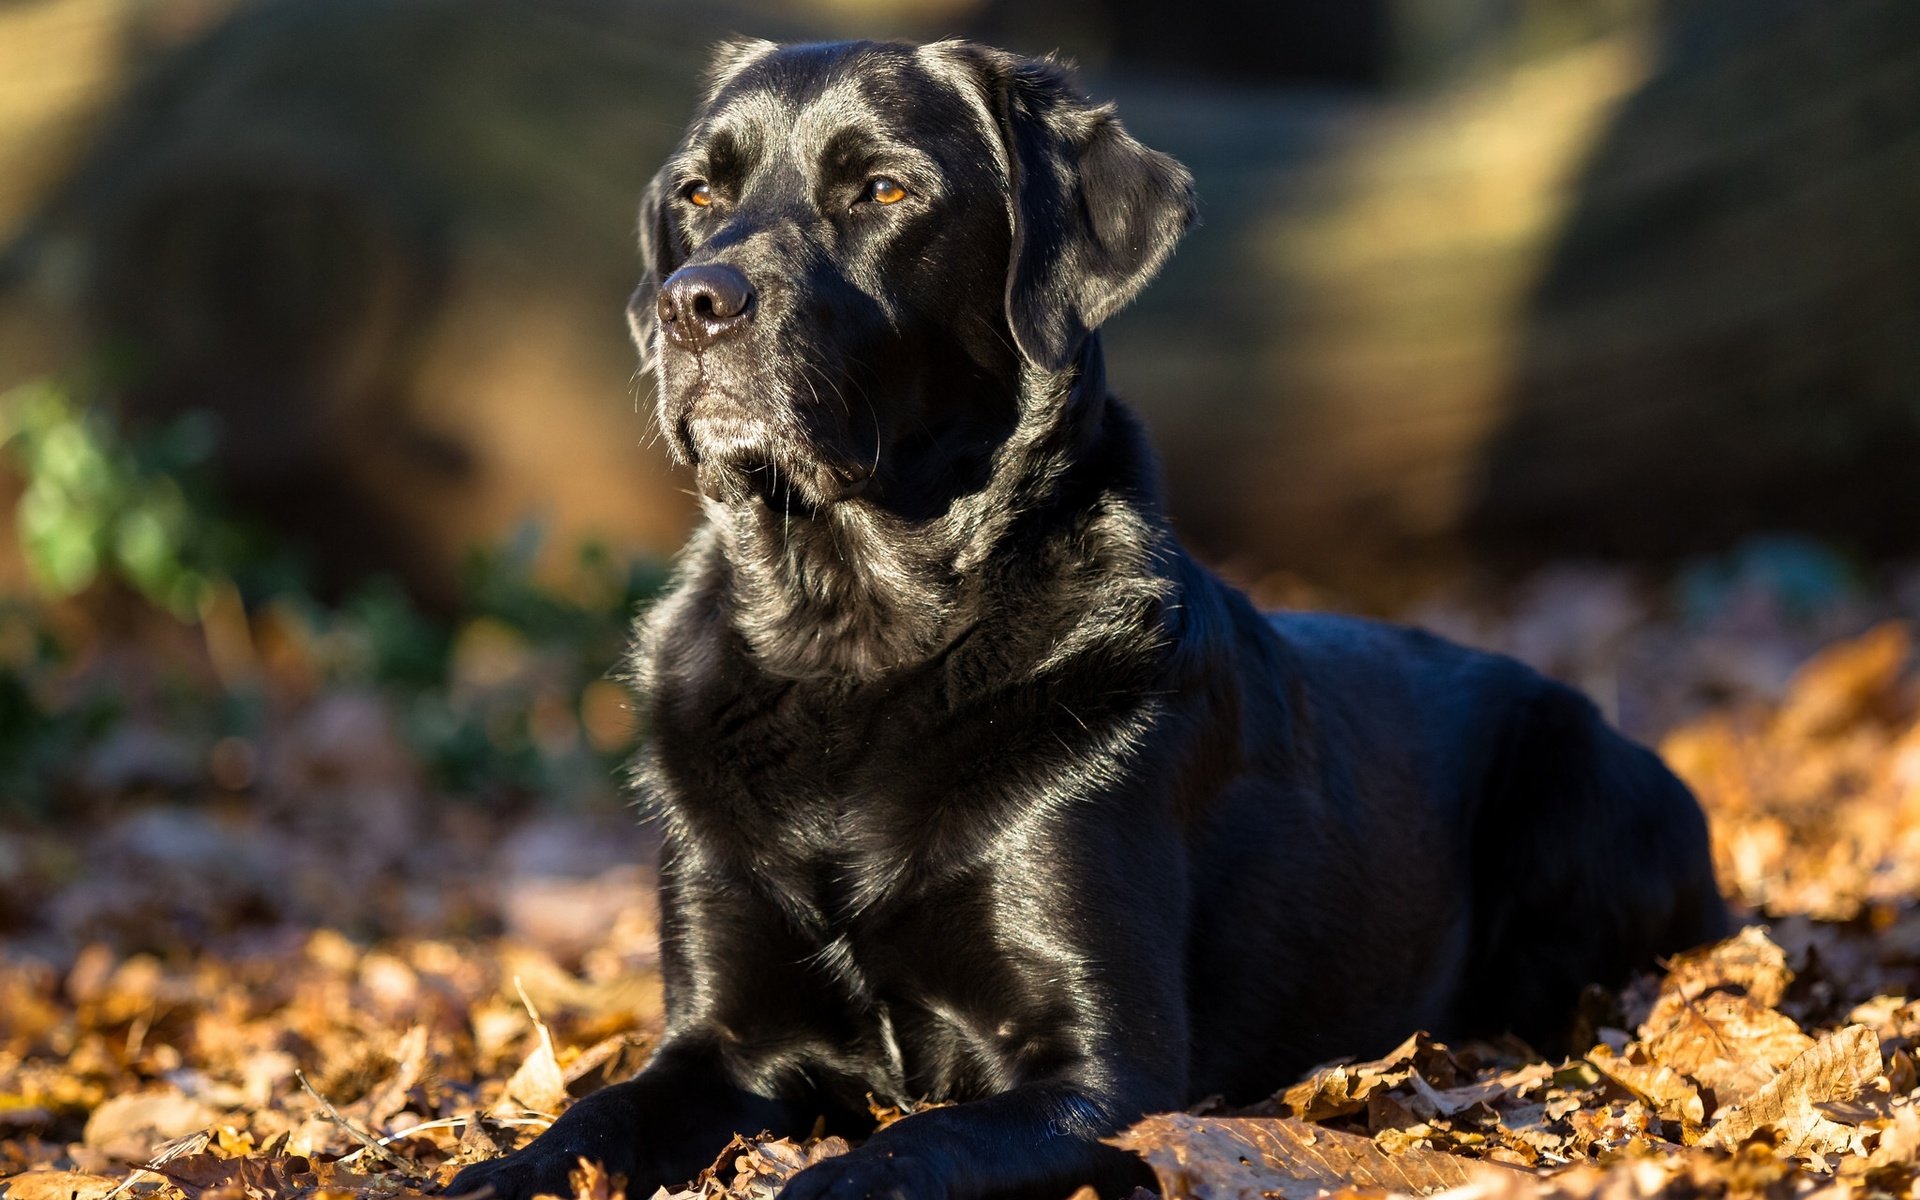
<point>1584,329</point>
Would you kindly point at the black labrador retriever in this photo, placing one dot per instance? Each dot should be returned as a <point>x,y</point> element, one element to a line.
<point>975,786</point>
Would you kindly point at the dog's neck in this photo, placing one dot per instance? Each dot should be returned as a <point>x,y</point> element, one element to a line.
<point>852,591</point>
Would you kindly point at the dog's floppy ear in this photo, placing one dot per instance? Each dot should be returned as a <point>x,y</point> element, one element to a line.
<point>661,253</point>
<point>1095,213</point>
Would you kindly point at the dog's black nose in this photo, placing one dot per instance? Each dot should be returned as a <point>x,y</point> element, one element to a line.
<point>703,305</point>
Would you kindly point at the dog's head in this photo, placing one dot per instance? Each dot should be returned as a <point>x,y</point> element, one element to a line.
<point>860,251</point>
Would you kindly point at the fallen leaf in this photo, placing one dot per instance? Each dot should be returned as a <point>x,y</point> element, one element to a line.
<point>1750,960</point>
<point>591,1181</point>
<point>410,1057</point>
<point>756,1168</point>
<point>271,1176</point>
<point>1279,1158</point>
<point>1516,1082</point>
<point>1658,1084</point>
<point>1341,1088</point>
<point>1726,1041</point>
<point>56,1185</point>
<point>1844,682</point>
<point>539,1085</point>
<point>129,1127</point>
<point>1839,1067</point>
<point>610,1060</point>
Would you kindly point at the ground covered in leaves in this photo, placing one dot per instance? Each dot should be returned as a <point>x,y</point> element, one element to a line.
<point>320,977</point>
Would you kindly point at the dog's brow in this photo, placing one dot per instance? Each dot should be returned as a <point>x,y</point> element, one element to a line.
<point>743,116</point>
<point>844,100</point>
<point>851,122</point>
<point>850,148</point>
<point>723,151</point>
<point>857,148</point>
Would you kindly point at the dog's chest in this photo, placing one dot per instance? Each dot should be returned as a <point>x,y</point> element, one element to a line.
<point>842,819</point>
<point>844,785</point>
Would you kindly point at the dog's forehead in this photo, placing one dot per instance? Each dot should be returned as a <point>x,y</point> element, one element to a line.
<point>810,97</point>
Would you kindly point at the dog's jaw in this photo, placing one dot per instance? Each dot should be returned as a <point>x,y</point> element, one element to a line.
<point>746,454</point>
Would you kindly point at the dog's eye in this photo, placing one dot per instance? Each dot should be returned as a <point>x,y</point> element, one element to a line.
<point>700,195</point>
<point>885,191</point>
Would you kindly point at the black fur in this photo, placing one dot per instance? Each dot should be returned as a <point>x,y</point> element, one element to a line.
<point>975,786</point>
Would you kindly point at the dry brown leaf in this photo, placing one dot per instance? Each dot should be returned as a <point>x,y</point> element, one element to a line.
<point>1844,682</point>
<point>591,1181</point>
<point>271,1176</point>
<point>1516,1082</point>
<point>1839,1067</point>
<point>888,1114</point>
<point>1342,1088</point>
<point>56,1185</point>
<point>1889,1016</point>
<point>411,1060</point>
<point>1597,1129</point>
<point>1279,1158</point>
<point>129,1127</point>
<point>1725,1041</point>
<point>1749,960</point>
<point>1659,1085</point>
<point>761,1166</point>
<point>1900,1140</point>
<point>610,1060</point>
<point>539,1084</point>
<point>1333,1092</point>
<point>197,1175</point>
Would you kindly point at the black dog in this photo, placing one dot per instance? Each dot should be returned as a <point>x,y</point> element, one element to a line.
<point>975,786</point>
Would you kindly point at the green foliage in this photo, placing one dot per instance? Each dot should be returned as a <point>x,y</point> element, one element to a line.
<point>97,503</point>
<point>506,712</point>
<point>504,700</point>
<point>493,701</point>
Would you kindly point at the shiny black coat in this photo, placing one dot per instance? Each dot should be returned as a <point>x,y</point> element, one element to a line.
<point>975,786</point>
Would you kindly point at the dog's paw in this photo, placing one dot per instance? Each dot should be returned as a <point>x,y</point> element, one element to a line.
<point>522,1175</point>
<point>602,1128</point>
<point>869,1173</point>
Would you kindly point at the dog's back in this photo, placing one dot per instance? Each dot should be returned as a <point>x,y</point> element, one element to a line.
<point>1401,798</point>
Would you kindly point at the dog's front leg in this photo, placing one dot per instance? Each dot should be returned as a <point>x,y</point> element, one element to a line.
<point>1040,1140</point>
<point>660,1127</point>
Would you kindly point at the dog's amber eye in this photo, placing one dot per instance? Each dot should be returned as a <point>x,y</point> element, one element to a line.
<point>700,195</point>
<point>885,191</point>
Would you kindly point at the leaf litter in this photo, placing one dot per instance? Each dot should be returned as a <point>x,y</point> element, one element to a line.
<point>177,1023</point>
